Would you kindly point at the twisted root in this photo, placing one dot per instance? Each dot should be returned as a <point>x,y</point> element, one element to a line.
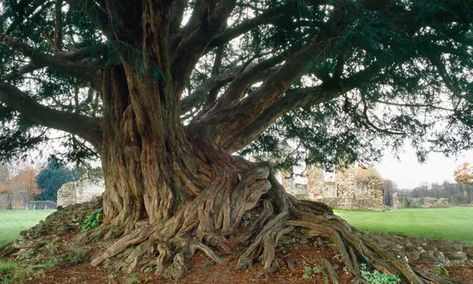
<point>252,216</point>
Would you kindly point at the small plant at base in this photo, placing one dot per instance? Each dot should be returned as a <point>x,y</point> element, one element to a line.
<point>132,278</point>
<point>11,272</point>
<point>310,271</point>
<point>307,274</point>
<point>52,247</point>
<point>377,277</point>
<point>93,220</point>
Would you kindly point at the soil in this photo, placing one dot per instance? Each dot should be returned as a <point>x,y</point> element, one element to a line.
<point>204,271</point>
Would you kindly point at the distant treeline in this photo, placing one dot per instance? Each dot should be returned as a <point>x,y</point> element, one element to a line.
<point>458,194</point>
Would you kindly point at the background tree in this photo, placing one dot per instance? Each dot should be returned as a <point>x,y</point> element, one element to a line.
<point>4,177</point>
<point>51,178</point>
<point>165,91</point>
<point>363,175</point>
<point>389,189</point>
<point>4,173</point>
<point>457,193</point>
<point>22,180</point>
<point>464,174</point>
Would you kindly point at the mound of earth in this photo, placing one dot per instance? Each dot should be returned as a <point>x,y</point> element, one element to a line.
<point>59,251</point>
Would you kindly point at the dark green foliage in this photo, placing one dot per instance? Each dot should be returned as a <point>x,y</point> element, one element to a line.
<point>93,220</point>
<point>377,277</point>
<point>50,179</point>
<point>417,88</point>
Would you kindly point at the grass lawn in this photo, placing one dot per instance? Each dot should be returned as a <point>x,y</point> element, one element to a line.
<point>439,223</point>
<point>435,223</point>
<point>12,222</point>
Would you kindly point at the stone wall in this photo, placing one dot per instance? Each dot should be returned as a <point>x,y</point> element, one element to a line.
<point>13,200</point>
<point>79,192</point>
<point>41,205</point>
<point>339,189</point>
<point>401,201</point>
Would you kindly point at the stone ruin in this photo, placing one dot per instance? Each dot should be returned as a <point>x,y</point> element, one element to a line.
<point>40,205</point>
<point>16,200</point>
<point>79,192</point>
<point>402,201</point>
<point>339,189</point>
<point>20,200</point>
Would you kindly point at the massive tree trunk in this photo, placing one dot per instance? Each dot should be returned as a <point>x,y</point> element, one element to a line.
<point>172,189</point>
<point>170,193</point>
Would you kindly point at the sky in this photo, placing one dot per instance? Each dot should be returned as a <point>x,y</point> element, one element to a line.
<point>408,173</point>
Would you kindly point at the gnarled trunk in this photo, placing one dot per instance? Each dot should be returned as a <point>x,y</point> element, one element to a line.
<point>169,193</point>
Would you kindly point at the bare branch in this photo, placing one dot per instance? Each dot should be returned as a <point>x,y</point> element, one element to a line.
<point>429,106</point>
<point>370,124</point>
<point>83,126</point>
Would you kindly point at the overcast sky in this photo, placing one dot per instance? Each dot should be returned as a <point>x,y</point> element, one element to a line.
<point>408,172</point>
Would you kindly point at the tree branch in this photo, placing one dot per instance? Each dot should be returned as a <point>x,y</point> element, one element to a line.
<point>83,126</point>
<point>95,12</point>
<point>241,77</point>
<point>28,68</point>
<point>233,32</point>
<point>249,75</point>
<point>84,69</point>
<point>294,98</point>
<point>58,24</point>
<point>177,12</point>
<point>208,19</point>
<point>227,121</point>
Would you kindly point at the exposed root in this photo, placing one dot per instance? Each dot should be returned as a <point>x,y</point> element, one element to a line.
<point>253,217</point>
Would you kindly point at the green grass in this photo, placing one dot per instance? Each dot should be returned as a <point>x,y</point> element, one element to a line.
<point>439,223</point>
<point>12,222</point>
<point>434,223</point>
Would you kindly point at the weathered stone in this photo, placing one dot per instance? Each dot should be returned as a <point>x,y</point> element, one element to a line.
<point>401,201</point>
<point>40,205</point>
<point>338,190</point>
<point>79,192</point>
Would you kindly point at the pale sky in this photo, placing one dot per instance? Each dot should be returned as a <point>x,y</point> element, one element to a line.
<point>408,173</point>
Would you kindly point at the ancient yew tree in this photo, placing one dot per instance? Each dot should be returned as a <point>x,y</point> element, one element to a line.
<point>166,92</point>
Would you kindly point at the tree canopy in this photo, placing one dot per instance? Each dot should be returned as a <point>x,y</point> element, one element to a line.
<point>166,90</point>
<point>342,78</point>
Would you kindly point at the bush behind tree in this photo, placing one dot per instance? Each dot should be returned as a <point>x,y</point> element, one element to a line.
<point>50,179</point>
